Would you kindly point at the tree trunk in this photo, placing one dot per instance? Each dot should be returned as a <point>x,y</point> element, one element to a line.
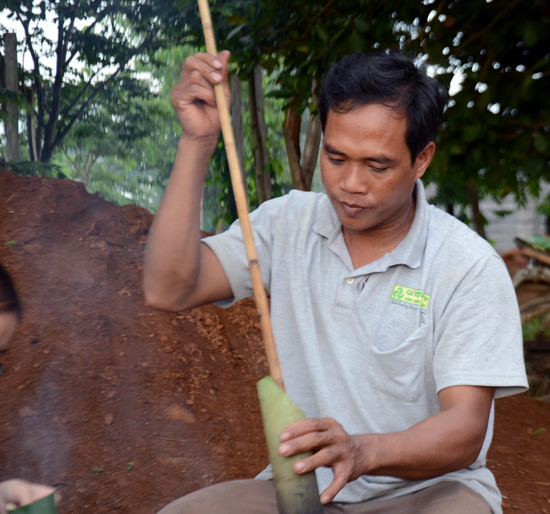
<point>257,122</point>
<point>49,142</point>
<point>237,121</point>
<point>12,84</point>
<point>473,200</point>
<point>31,125</point>
<point>311,150</point>
<point>291,132</point>
<point>301,169</point>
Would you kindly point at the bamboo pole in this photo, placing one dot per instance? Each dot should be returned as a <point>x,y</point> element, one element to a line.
<point>260,296</point>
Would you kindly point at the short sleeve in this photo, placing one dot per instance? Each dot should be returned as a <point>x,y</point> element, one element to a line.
<point>230,250</point>
<point>478,340</point>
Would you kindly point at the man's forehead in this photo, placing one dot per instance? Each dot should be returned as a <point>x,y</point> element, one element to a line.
<point>393,110</point>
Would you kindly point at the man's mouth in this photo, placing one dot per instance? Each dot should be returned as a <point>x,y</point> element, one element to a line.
<point>351,209</point>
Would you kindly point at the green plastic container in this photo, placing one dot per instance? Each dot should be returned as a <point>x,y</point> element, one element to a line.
<point>45,505</point>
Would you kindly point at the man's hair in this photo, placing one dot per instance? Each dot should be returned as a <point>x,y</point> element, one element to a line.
<point>9,302</point>
<point>392,80</point>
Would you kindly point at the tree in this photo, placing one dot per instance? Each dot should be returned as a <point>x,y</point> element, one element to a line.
<point>96,42</point>
<point>12,85</point>
<point>298,41</point>
<point>130,158</point>
<point>495,139</point>
<point>258,129</point>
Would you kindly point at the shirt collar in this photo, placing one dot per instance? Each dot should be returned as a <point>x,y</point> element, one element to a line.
<point>408,252</point>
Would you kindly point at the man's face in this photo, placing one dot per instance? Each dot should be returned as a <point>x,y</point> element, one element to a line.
<point>366,167</point>
<point>8,323</point>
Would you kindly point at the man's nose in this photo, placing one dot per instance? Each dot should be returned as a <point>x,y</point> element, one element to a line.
<point>354,180</point>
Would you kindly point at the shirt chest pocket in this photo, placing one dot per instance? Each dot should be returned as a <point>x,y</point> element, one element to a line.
<point>401,370</point>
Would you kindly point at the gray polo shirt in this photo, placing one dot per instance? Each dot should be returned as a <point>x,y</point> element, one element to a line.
<point>372,347</point>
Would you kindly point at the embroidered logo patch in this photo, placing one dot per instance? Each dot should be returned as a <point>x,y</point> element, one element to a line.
<point>408,295</point>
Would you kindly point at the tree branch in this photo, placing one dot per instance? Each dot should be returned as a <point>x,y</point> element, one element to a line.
<point>68,108</point>
<point>37,84</point>
<point>423,30</point>
<point>56,90</point>
<point>68,34</point>
<point>88,30</point>
<point>318,15</point>
<point>99,87</point>
<point>487,28</point>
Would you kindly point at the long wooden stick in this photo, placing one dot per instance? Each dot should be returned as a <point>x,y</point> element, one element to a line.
<point>242,210</point>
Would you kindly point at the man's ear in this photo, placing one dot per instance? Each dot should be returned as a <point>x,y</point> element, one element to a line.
<point>423,159</point>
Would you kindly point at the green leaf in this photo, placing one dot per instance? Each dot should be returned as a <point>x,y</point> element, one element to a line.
<point>235,31</point>
<point>541,142</point>
<point>361,25</point>
<point>456,149</point>
<point>357,42</point>
<point>237,19</point>
<point>185,3</point>
<point>531,34</point>
<point>482,100</point>
<point>322,32</point>
<point>470,132</point>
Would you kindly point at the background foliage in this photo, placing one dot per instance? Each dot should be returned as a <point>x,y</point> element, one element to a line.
<point>99,89</point>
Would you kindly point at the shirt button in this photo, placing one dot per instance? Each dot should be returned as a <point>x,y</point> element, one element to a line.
<point>350,280</point>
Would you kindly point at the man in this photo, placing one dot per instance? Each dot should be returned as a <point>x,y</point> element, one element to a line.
<point>396,325</point>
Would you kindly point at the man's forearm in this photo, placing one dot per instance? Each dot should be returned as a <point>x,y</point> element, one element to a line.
<point>448,441</point>
<point>172,256</point>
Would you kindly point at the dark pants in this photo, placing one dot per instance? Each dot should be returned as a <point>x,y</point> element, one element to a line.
<point>258,497</point>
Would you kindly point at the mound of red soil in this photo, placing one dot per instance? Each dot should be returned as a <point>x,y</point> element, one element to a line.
<point>124,408</point>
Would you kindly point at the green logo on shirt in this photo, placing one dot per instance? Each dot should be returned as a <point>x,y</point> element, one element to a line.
<point>408,295</point>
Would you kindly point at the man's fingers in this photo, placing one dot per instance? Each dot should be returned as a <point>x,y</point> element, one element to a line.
<point>331,447</point>
<point>195,88</point>
<point>333,489</point>
<point>40,491</point>
<point>223,59</point>
<point>328,456</point>
<point>305,426</point>
<point>212,68</point>
<point>342,475</point>
<point>305,443</point>
<point>199,73</point>
<point>310,435</point>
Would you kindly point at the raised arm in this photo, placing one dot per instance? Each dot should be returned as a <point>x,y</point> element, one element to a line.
<point>179,271</point>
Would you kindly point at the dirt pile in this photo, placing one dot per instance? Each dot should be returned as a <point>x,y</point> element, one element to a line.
<point>124,408</point>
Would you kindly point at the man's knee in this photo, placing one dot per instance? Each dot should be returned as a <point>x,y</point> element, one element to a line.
<point>451,498</point>
<point>243,496</point>
<point>444,497</point>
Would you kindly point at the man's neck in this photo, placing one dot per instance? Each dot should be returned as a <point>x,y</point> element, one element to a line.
<point>366,246</point>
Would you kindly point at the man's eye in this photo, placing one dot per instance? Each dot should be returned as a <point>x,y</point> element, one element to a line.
<point>333,160</point>
<point>378,170</point>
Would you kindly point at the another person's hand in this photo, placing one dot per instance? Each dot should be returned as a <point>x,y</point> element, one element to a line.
<point>332,447</point>
<point>193,97</point>
<point>20,492</point>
